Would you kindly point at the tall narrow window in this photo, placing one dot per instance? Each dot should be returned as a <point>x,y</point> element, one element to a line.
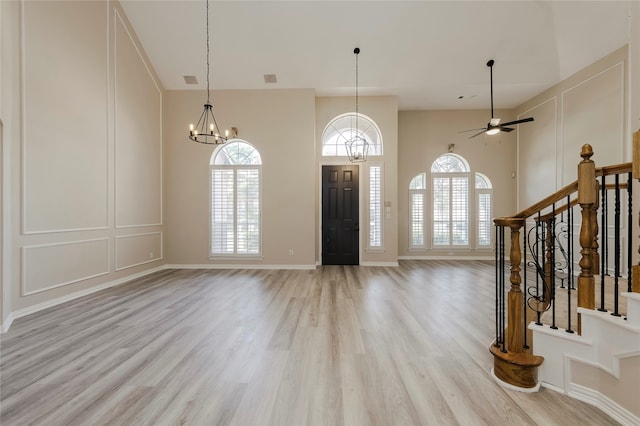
<point>417,194</point>
<point>450,183</point>
<point>235,200</point>
<point>484,194</point>
<point>375,207</point>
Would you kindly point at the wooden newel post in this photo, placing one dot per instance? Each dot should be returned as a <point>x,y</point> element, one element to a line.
<point>515,301</point>
<point>515,367</point>
<point>635,271</point>
<point>587,196</point>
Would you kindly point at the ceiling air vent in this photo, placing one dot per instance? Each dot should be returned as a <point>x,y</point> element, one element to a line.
<point>190,79</point>
<point>270,78</point>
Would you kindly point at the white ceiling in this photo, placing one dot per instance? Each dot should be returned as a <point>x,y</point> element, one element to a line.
<point>428,53</point>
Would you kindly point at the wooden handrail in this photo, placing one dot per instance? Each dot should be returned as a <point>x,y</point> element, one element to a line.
<point>616,169</point>
<point>557,211</point>
<point>571,188</point>
<point>564,207</point>
<point>548,201</point>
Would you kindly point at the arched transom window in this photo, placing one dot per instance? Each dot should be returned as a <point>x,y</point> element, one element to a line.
<point>342,128</point>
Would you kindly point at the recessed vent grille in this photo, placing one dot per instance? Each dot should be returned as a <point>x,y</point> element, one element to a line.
<point>190,79</point>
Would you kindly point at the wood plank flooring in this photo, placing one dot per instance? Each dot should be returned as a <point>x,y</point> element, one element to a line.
<point>343,345</point>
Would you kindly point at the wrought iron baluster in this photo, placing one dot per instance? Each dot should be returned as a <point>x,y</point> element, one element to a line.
<point>524,305</point>
<point>570,280</point>
<point>616,243</point>
<point>603,239</point>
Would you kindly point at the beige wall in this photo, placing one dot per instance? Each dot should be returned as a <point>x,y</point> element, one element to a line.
<point>82,137</point>
<point>588,107</point>
<point>280,124</point>
<point>623,388</point>
<point>383,110</point>
<point>424,136</point>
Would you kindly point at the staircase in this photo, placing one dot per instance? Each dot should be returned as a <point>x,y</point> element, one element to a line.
<point>598,365</point>
<point>568,298</point>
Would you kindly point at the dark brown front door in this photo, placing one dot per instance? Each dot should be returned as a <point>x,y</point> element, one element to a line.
<point>340,228</point>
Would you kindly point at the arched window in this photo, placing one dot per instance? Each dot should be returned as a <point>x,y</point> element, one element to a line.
<point>484,193</point>
<point>417,195</point>
<point>342,128</point>
<point>450,183</point>
<point>236,169</point>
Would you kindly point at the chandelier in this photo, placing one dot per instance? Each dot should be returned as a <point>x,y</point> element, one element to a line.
<point>207,130</point>
<point>357,146</point>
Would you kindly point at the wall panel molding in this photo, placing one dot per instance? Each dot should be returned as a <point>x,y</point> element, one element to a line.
<point>138,249</point>
<point>138,140</point>
<point>592,111</point>
<point>65,182</point>
<point>46,266</point>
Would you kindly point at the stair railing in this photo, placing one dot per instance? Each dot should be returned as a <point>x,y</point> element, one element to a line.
<point>546,255</point>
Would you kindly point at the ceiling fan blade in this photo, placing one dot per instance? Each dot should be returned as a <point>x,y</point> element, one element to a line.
<point>478,134</point>
<point>506,129</point>
<point>473,130</point>
<point>511,123</point>
<point>494,121</point>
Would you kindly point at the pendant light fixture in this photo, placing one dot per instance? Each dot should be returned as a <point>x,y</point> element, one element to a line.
<point>357,146</point>
<point>207,130</point>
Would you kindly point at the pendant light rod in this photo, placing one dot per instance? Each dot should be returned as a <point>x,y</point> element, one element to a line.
<point>357,146</point>
<point>206,131</point>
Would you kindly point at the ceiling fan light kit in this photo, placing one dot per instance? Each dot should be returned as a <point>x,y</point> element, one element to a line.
<point>493,126</point>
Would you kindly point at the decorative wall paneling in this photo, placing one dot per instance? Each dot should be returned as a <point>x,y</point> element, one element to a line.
<point>134,250</point>
<point>48,266</point>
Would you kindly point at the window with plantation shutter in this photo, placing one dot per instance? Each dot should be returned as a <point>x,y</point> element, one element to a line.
<point>235,200</point>
<point>450,178</point>
<point>417,195</point>
<point>375,207</point>
<point>484,194</point>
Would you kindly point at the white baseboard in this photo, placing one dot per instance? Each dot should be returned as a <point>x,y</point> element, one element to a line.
<point>379,264</point>
<point>57,301</point>
<point>6,323</point>
<point>452,257</point>
<point>236,266</point>
<point>606,405</point>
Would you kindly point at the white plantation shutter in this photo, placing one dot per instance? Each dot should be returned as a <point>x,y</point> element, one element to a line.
<point>416,220</point>
<point>484,193</point>
<point>417,195</point>
<point>222,240</point>
<point>375,207</point>
<point>248,211</point>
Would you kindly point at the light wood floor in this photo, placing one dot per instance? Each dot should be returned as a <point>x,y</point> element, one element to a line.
<point>338,345</point>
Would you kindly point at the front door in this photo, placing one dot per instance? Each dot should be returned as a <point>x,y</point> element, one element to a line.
<point>340,228</point>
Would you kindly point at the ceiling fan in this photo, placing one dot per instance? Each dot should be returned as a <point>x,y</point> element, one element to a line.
<point>494,126</point>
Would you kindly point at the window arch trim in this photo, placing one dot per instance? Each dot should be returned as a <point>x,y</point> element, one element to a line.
<point>342,128</point>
